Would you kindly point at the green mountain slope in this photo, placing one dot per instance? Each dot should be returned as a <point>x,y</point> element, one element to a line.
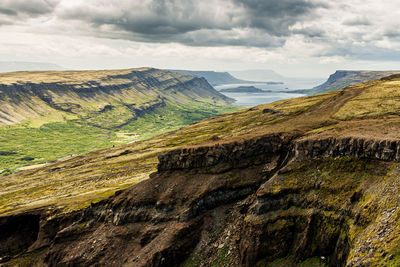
<point>48,115</point>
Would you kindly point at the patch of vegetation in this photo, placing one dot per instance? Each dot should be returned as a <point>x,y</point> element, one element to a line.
<point>49,142</point>
<point>290,261</point>
<point>172,117</point>
<point>222,259</point>
<point>192,261</point>
<point>22,145</point>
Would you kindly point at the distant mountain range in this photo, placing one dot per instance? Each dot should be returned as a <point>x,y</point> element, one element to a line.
<point>270,75</point>
<point>258,75</point>
<point>213,77</point>
<point>10,66</point>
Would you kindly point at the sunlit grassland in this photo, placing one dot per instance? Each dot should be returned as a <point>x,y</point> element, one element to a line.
<point>24,144</point>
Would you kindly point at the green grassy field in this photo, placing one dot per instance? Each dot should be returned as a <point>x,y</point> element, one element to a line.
<point>24,145</point>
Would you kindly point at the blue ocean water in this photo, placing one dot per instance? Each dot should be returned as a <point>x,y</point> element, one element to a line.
<point>253,99</point>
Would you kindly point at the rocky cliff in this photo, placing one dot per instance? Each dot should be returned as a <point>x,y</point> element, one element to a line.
<point>293,183</point>
<point>91,95</point>
<point>343,78</point>
<point>246,202</point>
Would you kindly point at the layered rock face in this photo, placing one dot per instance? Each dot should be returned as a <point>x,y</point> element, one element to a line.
<point>343,78</point>
<point>350,146</point>
<point>89,94</point>
<point>245,203</point>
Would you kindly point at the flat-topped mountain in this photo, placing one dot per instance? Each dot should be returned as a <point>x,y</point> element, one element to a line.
<point>312,180</point>
<point>94,95</point>
<point>214,77</point>
<point>48,115</point>
<point>343,78</point>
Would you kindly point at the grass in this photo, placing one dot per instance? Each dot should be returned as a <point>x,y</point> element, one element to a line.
<point>24,145</point>
<point>75,181</point>
<point>290,261</point>
<point>379,99</point>
<point>328,184</point>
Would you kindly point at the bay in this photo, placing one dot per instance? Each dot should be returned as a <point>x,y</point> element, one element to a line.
<point>252,99</point>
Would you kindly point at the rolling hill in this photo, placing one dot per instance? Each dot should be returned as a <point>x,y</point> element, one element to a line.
<point>305,181</point>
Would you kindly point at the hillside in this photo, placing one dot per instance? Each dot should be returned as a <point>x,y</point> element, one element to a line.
<point>48,115</point>
<point>311,181</point>
<point>343,78</point>
<point>213,77</point>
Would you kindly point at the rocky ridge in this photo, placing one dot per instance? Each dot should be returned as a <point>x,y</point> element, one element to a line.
<point>132,93</point>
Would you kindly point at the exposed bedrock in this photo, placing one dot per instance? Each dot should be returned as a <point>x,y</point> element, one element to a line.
<point>222,157</point>
<point>351,146</point>
<point>255,201</point>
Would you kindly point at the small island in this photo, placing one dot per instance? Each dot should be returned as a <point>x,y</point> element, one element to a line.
<point>243,89</point>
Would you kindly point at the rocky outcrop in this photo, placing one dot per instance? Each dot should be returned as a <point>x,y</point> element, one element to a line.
<point>351,146</point>
<point>222,157</point>
<point>245,203</point>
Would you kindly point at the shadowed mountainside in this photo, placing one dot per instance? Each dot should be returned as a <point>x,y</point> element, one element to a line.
<point>312,180</point>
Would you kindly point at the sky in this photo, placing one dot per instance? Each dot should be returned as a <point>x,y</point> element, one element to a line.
<point>298,38</point>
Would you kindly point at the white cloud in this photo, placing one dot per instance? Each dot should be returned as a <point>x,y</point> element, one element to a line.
<point>213,34</point>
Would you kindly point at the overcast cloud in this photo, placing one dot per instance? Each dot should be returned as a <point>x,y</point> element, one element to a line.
<point>308,35</point>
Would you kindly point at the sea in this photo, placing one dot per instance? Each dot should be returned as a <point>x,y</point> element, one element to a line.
<point>253,99</point>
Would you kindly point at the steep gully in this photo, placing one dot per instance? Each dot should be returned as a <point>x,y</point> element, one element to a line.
<point>196,192</point>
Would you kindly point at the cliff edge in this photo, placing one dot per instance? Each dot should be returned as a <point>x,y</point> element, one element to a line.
<point>313,180</point>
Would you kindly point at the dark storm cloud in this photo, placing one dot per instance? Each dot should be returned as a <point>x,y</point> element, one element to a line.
<point>27,8</point>
<point>8,12</point>
<point>277,16</point>
<point>198,23</point>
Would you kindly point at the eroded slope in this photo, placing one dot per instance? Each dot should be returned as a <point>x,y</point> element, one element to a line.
<point>45,116</point>
<point>289,182</point>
